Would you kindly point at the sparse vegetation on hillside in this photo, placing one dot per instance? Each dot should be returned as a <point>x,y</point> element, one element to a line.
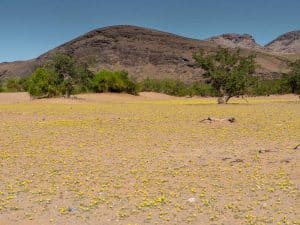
<point>227,71</point>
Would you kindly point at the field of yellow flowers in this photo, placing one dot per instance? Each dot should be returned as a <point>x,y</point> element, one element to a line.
<point>141,160</point>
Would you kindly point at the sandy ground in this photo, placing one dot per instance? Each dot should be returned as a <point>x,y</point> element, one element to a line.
<point>148,159</point>
<point>11,98</point>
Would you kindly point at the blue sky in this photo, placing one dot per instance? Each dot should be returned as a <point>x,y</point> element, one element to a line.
<point>31,27</point>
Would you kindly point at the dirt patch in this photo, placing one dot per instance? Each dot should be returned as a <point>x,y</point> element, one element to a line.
<point>9,98</point>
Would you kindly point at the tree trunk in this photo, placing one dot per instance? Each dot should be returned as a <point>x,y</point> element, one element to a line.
<point>67,84</point>
<point>67,93</point>
<point>224,99</point>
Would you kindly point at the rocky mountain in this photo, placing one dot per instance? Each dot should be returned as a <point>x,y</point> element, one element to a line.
<point>286,43</point>
<point>143,53</point>
<point>17,68</point>
<point>236,41</point>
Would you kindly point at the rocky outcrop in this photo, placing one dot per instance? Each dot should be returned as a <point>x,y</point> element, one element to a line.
<point>235,41</point>
<point>286,43</point>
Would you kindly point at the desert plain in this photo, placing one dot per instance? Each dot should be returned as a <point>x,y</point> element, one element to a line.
<point>113,159</point>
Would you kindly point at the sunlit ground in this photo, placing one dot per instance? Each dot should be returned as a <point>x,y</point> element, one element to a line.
<point>104,159</point>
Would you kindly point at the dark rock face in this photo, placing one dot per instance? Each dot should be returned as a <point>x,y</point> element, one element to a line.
<point>236,41</point>
<point>286,43</point>
<point>142,52</point>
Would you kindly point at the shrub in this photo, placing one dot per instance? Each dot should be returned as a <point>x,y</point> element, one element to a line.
<point>253,87</point>
<point>267,87</point>
<point>44,83</point>
<point>177,88</point>
<point>293,78</point>
<point>1,86</point>
<point>202,89</point>
<point>166,86</point>
<point>109,81</point>
<point>23,82</point>
<point>13,84</point>
<point>61,76</point>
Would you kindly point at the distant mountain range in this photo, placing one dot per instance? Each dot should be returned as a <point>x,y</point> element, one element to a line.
<point>286,43</point>
<point>150,53</point>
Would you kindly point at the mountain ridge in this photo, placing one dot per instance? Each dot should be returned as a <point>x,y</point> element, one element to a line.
<point>286,43</point>
<point>234,40</point>
<point>144,53</point>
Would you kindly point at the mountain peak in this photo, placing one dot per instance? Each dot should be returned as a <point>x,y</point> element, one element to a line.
<point>286,43</point>
<point>233,40</point>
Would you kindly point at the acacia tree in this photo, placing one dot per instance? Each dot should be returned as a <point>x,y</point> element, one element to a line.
<point>62,75</point>
<point>64,66</point>
<point>71,73</point>
<point>227,71</point>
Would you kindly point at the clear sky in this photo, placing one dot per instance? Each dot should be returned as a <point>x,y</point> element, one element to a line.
<point>31,27</point>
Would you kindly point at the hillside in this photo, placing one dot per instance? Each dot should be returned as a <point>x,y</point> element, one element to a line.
<point>142,52</point>
<point>286,43</point>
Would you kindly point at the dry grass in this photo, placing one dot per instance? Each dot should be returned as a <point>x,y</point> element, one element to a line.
<point>107,159</point>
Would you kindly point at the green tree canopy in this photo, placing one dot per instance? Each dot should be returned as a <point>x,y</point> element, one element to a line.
<point>74,75</point>
<point>110,81</point>
<point>227,71</point>
<point>293,78</point>
<point>61,76</point>
<point>44,83</point>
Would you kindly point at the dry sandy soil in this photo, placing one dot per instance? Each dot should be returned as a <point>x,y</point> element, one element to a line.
<point>10,98</point>
<point>108,159</point>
